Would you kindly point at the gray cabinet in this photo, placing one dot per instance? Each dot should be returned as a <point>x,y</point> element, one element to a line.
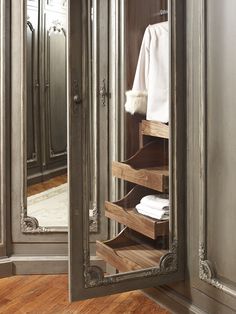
<point>46,89</point>
<point>210,270</point>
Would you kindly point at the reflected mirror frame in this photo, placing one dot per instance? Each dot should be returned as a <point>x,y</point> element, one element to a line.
<point>172,262</point>
<point>29,224</point>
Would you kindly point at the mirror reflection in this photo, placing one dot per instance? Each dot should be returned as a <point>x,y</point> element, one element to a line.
<point>140,219</point>
<point>47,113</point>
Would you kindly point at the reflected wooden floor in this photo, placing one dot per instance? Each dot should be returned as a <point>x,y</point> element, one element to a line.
<point>44,186</point>
<point>48,294</point>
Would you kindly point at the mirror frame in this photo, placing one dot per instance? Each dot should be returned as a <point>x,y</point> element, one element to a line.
<point>28,224</point>
<point>172,264</point>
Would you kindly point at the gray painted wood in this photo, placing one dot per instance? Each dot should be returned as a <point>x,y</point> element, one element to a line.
<point>4,132</point>
<point>55,94</point>
<point>100,103</point>
<point>221,131</point>
<point>79,252</point>
<point>46,90</point>
<point>205,104</point>
<point>18,92</point>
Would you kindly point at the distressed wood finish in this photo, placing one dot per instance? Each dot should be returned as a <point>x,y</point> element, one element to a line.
<point>148,167</point>
<point>83,276</point>
<point>18,139</point>
<point>46,134</point>
<point>130,251</point>
<point>211,294</point>
<point>4,126</point>
<point>154,128</point>
<point>125,213</point>
<point>155,178</point>
<point>215,192</point>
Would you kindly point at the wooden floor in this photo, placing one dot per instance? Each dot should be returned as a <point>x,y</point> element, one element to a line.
<point>44,186</point>
<point>48,294</point>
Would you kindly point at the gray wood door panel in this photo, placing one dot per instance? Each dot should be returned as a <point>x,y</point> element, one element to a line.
<point>33,120</point>
<point>86,281</point>
<point>55,85</point>
<point>18,151</point>
<point>221,131</point>
<point>5,31</point>
<point>210,133</point>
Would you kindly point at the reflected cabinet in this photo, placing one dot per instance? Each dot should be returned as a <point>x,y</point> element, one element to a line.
<point>46,89</point>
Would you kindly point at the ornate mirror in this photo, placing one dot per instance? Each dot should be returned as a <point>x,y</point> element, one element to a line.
<point>128,112</point>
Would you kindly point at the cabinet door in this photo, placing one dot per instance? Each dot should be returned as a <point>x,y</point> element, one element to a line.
<point>138,251</point>
<point>55,78</point>
<point>214,216</point>
<point>33,130</point>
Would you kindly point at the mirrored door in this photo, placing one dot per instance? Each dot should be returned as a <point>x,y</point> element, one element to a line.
<point>46,130</point>
<point>141,164</point>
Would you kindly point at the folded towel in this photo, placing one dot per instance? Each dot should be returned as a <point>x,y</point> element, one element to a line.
<point>155,201</point>
<point>153,213</point>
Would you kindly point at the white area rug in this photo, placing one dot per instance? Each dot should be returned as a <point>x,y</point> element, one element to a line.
<point>50,207</point>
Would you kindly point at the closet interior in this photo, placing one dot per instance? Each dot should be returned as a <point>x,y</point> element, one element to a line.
<point>142,215</point>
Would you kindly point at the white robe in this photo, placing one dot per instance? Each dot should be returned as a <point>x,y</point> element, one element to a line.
<point>150,93</point>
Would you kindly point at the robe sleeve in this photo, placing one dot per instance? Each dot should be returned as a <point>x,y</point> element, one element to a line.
<point>136,99</point>
<point>142,71</point>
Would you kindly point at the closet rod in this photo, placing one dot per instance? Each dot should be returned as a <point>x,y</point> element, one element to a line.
<point>162,12</point>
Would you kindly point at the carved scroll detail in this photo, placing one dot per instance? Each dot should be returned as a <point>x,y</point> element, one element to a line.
<point>31,225</point>
<point>94,276</point>
<point>207,272</point>
<point>168,262</point>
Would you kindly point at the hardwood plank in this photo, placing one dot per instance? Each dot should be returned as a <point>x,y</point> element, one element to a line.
<point>44,186</point>
<point>29,298</point>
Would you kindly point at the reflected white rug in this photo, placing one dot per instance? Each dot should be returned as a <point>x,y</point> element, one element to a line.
<point>50,207</point>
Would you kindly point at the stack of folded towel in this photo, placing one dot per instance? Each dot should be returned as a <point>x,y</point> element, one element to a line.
<point>154,206</point>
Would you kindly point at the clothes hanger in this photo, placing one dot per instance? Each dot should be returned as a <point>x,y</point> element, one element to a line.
<point>161,13</point>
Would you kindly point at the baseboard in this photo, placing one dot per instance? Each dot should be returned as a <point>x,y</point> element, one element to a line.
<point>46,175</point>
<point>172,301</point>
<point>6,268</point>
<point>39,265</point>
<point>46,265</point>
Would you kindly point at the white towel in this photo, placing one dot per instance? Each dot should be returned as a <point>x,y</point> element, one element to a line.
<point>152,74</point>
<point>155,201</point>
<point>153,213</point>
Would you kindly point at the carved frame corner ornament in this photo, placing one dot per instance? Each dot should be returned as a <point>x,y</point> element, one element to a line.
<point>94,275</point>
<point>31,225</point>
<point>169,262</point>
<point>57,26</point>
<point>207,272</point>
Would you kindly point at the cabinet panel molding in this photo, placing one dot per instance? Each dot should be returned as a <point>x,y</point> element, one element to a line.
<point>207,270</point>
